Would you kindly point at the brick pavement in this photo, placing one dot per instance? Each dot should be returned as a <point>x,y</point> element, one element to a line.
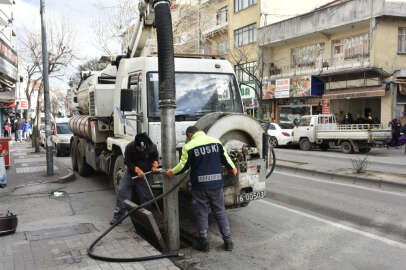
<point>36,211</point>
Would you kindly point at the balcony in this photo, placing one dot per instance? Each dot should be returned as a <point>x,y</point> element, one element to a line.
<point>215,29</point>
<point>328,20</point>
<point>320,67</point>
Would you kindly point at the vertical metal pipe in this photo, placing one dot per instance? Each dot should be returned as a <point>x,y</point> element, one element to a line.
<point>47,103</point>
<point>167,105</point>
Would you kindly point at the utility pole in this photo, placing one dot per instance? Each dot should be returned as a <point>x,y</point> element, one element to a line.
<point>48,143</point>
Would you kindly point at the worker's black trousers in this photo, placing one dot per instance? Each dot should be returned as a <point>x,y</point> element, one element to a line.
<point>203,201</point>
<point>125,191</point>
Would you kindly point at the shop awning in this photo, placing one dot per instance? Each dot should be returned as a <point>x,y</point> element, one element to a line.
<point>355,93</point>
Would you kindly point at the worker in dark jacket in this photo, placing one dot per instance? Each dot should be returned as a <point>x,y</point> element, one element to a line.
<point>140,156</point>
<point>205,155</point>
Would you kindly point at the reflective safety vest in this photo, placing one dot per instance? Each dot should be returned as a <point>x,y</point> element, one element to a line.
<point>204,155</point>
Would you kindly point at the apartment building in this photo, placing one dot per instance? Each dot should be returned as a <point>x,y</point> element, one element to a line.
<point>346,57</point>
<point>8,60</point>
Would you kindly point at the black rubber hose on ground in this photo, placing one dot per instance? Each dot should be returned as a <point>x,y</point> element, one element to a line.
<point>135,259</point>
<point>273,164</point>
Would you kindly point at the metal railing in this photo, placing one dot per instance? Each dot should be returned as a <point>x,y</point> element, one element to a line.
<point>350,127</point>
<point>319,66</point>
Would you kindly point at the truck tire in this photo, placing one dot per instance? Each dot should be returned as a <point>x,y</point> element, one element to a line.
<point>305,144</point>
<point>346,147</point>
<point>73,156</point>
<point>273,141</point>
<point>118,172</point>
<point>83,168</point>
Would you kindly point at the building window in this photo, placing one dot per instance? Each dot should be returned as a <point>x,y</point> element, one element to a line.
<point>352,47</point>
<point>242,71</point>
<point>243,4</point>
<point>307,56</point>
<point>402,40</point>
<point>222,15</point>
<point>245,35</point>
<point>222,47</point>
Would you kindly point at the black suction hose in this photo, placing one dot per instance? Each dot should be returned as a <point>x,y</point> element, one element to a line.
<point>135,259</point>
<point>273,164</point>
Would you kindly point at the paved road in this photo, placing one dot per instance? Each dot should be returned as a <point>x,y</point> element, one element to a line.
<point>304,223</point>
<point>307,223</point>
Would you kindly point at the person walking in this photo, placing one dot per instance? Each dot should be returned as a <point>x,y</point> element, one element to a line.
<point>141,155</point>
<point>26,130</point>
<point>205,155</point>
<point>6,128</point>
<point>395,126</point>
<point>19,128</point>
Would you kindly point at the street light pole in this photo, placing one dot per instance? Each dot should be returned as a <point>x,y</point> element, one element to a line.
<point>48,143</point>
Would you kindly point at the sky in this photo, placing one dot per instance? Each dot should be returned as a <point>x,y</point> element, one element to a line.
<point>81,13</point>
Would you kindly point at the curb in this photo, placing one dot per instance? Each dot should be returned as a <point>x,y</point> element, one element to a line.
<point>354,179</point>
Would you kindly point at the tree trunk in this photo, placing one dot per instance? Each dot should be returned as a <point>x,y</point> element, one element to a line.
<point>36,137</point>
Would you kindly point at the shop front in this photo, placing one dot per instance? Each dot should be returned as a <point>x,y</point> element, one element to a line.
<point>363,104</point>
<point>8,78</point>
<point>294,97</point>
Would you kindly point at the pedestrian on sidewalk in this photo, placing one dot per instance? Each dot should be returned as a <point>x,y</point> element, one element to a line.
<point>19,128</point>
<point>205,155</point>
<point>26,130</point>
<point>395,126</point>
<point>6,128</point>
<point>141,155</point>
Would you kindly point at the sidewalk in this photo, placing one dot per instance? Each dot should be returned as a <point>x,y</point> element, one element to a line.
<point>384,165</point>
<point>55,232</point>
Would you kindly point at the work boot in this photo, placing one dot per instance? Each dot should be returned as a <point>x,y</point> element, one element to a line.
<point>202,245</point>
<point>228,245</point>
<point>116,218</point>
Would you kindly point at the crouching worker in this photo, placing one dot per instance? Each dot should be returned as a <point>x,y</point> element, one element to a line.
<point>141,155</point>
<point>205,155</point>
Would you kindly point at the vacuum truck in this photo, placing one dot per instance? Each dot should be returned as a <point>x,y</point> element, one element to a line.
<point>115,104</point>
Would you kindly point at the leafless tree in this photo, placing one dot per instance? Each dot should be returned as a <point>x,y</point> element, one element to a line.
<point>241,56</point>
<point>61,51</point>
<point>112,26</point>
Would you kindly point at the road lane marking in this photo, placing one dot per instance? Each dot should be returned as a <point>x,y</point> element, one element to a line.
<point>340,226</point>
<point>342,184</point>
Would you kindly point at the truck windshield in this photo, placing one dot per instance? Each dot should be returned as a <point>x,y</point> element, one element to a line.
<point>197,94</point>
<point>63,128</point>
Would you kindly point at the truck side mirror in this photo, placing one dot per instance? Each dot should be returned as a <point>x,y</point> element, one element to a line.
<point>126,100</point>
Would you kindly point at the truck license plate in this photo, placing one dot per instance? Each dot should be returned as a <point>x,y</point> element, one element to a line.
<point>246,197</point>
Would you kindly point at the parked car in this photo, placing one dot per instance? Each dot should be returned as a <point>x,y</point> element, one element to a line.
<point>61,136</point>
<point>280,134</point>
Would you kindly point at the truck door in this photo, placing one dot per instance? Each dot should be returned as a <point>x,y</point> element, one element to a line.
<point>135,117</point>
<point>304,130</point>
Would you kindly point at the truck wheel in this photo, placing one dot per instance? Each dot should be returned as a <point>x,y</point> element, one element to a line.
<point>346,147</point>
<point>273,142</point>
<point>83,168</point>
<point>118,173</point>
<point>305,144</point>
<point>73,156</point>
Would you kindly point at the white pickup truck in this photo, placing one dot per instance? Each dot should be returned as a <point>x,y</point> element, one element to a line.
<point>323,130</point>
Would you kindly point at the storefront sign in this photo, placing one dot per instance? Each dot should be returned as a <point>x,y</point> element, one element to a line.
<point>8,61</point>
<point>268,89</point>
<point>23,104</point>
<point>300,86</point>
<point>326,106</point>
<point>355,94</point>
<point>282,88</point>
<point>247,91</point>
